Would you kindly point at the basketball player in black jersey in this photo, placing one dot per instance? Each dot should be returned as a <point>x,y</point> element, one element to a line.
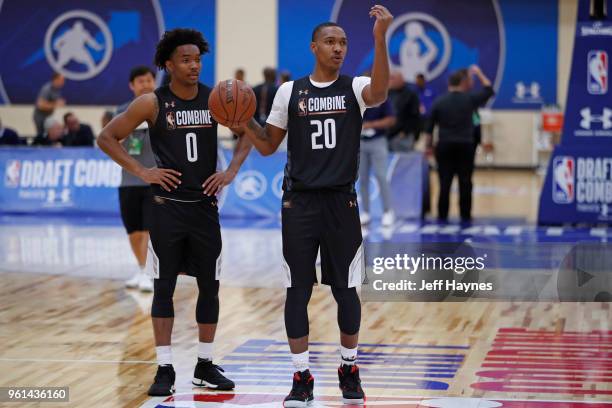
<point>185,232</point>
<point>322,115</point>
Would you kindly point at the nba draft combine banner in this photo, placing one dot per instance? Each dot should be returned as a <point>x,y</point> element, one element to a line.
<point>578,186</point>
<point>84,180</point>
<point>93,44</point>
<point>517,50</point>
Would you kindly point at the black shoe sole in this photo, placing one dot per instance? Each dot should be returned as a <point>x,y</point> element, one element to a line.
<point>161,393</point>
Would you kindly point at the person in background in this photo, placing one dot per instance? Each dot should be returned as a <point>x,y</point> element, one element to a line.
<point>374,154</point>
<point>405,103</point>
<point>8,137</point>
<point>77,134</point>
<point>136,196</point>
<point>52,136</point>
<point>264,95</point>
<point>239,74</point>
<point>426,96</point>
<point>453,114</point>
<point>49,98</point>
<point>285,76</point>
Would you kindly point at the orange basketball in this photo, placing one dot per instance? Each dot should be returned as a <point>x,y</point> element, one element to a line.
<point>232,103</point>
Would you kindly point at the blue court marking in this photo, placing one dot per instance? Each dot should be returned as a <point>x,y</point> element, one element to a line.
<point>400,370</point>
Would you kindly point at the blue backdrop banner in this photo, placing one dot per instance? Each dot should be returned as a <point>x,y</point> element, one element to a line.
<point>578,186</point>
<point>85,181</point>
<point>438,37</point>
<point>94,44</point>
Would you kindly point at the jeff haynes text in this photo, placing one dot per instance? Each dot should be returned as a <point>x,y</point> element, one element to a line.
<point>438,284</point>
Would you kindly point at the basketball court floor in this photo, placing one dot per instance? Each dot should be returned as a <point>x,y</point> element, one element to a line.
<point>67,320</point>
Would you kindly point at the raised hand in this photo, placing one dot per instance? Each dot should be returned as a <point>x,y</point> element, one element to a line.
<point>383,21</point>
<point>167,178</point>
<point>475,69</point>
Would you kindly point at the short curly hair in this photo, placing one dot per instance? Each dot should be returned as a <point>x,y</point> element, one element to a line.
<point>175,38</point>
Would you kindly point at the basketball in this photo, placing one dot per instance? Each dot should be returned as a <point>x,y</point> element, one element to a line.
<point>232,102</point>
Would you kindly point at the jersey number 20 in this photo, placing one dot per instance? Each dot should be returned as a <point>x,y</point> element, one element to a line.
<point>326,128</point>
<point>192,147</point>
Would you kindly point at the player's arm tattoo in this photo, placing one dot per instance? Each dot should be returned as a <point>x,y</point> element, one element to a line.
<point>260,133</point>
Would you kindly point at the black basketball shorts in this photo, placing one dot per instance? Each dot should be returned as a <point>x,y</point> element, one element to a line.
<point>185,238</point>
<point>327,221</point>
<point>135,203</point>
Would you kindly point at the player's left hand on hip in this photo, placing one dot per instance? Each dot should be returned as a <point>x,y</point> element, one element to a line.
<point>383,20</point>
<point>215,183</point>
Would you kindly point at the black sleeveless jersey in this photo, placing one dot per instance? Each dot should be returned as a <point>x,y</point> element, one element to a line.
<point>184,138</point>
<point>323,130</point>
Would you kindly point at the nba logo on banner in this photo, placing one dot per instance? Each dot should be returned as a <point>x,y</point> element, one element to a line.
<point>563,179</point>
<point>597,72</point>
<point>12,172</point>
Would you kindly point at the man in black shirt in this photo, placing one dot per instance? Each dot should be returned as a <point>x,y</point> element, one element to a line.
<point>77,133</point>
<point>185,232</point>
<point>264,95</point>
<point>453,114</point>
<point>405,104</point>
<point>9,137</point>
<point>322,116</point>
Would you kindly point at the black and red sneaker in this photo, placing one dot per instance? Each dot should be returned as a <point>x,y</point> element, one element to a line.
<point>301,394</point>
<point>350,384</point>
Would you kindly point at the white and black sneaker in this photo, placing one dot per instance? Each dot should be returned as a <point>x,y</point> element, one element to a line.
<point>163,385</point>
<point>207,374</point>
<point>301,394</point>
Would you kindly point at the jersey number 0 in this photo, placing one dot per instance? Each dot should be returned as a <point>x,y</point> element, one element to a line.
<point>192,147</point>
<point>327,129</point>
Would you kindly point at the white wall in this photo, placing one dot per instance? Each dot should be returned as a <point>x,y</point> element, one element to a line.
<point>246,38</point>
<point>568,10</point>
<point>251,43</point>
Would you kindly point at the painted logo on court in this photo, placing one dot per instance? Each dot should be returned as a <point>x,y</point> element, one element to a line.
<point>418,53</point>
<point>597,72</point>
<point>563,179</point>
<point>250,185</point>
<point>72,47</point>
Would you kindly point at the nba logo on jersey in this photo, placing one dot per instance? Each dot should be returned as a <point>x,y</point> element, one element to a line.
<point>597,72</point>
<point>302,107</point>
<point>11,175</point>
<point>563,179</point>
<point>170,121</point>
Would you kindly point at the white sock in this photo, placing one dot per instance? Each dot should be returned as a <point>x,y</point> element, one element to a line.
<point>300,361</point>
<point>205,351</point>
<point>348,355</point>
<point>164,355</point>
